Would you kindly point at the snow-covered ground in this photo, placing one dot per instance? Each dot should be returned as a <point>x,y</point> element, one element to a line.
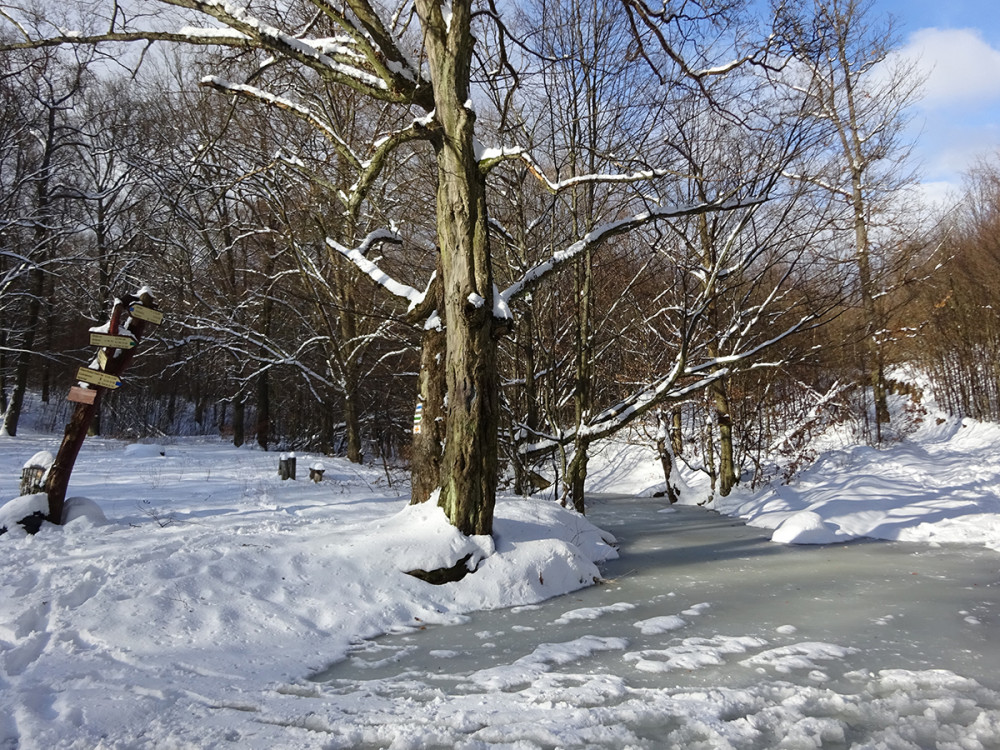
<point>939,484</point>
<point>212,577</point>
<point>193,614</point>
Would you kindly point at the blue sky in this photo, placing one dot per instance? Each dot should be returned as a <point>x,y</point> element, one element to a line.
<point>958,120</point>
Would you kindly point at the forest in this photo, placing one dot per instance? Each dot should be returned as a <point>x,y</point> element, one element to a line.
<point>535,225</point>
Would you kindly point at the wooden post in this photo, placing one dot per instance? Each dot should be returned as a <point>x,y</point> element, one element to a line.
<point>286,466</point>
<point>83,413</point>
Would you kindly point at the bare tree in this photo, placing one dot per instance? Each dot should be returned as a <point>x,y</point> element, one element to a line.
<point>843,64</point>
<point>38,223</point>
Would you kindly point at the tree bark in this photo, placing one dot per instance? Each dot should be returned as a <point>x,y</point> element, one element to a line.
<point>263,430</point>
<point>347,322</point>
<point>25,355</point>
<point>665,456</point>
<point>426,450</point>
<point>469,466</point>
<point>523,484</point>
<point>727,465</point>
<point>239,423</point>
<point>427,447</point>
<point>676,432</point>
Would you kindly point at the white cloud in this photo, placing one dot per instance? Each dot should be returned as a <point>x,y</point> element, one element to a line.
<point>961,66</point>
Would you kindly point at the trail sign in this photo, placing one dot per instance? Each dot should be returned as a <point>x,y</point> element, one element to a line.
<point>82,395</point>
<point>103,379</point>
<point>116,342</point>
<point>146,313</point>
<point>418,417</point>
<point>113,356</point>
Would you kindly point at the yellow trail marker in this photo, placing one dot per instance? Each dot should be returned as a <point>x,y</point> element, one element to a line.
<point>103,379</point>
<point>146,313</point>
<point>106,339</point>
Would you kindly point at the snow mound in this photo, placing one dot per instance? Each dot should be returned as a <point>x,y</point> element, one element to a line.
<point>145,450</point>
<point>45,459</point>
<point>806,527</point>
<point>22,507</point>
<point>420,537</point>
<point>660,625</point>
<point>77,508</point>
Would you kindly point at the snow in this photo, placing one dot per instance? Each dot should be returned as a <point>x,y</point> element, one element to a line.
<point>192,578</point>
<point>191,594</point>
<point>144,450</point>
<point>22,507</point>
<point>357,257</point>
<point>940,483</point>
<point>806,527</point>
<point>45,459</point>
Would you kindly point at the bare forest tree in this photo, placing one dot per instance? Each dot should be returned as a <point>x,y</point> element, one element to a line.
<point>371,54</point>
<point>38,205</point>
<point>952,331</point>
<point>861,92</point>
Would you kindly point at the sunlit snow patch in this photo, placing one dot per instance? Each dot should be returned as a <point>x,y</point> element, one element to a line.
<point>806,527</point>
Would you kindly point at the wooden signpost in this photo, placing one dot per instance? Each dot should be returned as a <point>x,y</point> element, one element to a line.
<point>82,395</point>
<point>125,329</point>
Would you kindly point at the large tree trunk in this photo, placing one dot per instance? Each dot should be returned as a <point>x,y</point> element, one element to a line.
<point>352,422</point>
<point>469,466</point>
<point>576,474</point>
<point>263,427</point>
<point>663,446</point>
<point>239,423</point>
<point>347,321</point>
<point>869,308</point>
<point>523,484</point>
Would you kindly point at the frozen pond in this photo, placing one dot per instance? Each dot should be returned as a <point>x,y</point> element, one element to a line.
<point>706,635</point>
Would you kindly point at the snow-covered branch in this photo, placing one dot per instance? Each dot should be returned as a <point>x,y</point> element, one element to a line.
<point>371,269</point>
<point>372,168</point>
<point>489,158</point>
<point>368,59</point>
<point>604,232</point>
<point>300,111</point>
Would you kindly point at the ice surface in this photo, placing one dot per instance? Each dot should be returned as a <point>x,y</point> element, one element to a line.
<point>736,674</point>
